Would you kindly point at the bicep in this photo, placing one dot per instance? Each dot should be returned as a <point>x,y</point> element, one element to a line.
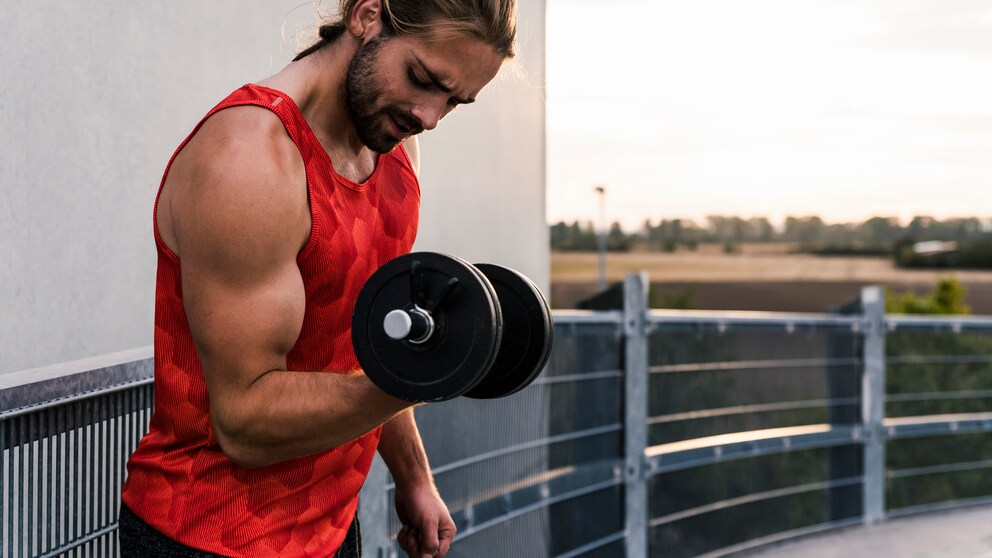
<point>243,323</point>
<point>240,222</point>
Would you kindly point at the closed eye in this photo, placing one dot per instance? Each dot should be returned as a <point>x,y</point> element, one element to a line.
<point>434,81</point>
<point>419,83</point>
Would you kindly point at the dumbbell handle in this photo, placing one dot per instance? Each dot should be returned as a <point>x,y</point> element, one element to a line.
<point>415,326</point>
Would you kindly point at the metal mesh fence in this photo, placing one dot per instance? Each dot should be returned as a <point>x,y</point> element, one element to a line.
<point>756,434</point>
<point>715,383</point>
<point>938,371</point>
<point>537,473</point>
<point>63,468</point>
<point>709,379</point>
<point>939,400</point>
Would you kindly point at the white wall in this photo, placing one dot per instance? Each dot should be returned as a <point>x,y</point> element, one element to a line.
<point>94,98</point>
<point>483,168</point>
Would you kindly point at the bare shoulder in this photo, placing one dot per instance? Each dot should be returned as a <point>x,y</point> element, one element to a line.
<point>240,182</point>
<point>412,147</point>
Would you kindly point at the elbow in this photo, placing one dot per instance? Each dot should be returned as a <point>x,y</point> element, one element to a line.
<point>244,456</point>
<point>240,449</point>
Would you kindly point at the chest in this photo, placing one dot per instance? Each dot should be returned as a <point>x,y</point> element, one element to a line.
<point>356,232</point>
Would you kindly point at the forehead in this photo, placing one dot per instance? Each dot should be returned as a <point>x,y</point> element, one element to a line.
<point>464,63</point>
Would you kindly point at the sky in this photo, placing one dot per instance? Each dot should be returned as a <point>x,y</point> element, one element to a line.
<point>845,109</point>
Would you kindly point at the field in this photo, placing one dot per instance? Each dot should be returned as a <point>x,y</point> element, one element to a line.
<point>766,277</point>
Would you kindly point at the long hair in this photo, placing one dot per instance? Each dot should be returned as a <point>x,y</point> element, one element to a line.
<point>493,22</point>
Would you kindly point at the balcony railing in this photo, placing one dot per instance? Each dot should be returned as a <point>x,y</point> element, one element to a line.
<point>650,433</point>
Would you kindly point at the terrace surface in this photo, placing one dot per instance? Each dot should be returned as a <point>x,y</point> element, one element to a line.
<point>965,533</point>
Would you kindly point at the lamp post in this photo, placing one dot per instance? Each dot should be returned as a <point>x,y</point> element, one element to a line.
<point>602,237</point>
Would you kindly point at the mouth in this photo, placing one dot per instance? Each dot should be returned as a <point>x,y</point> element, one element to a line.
<point>402,127</point>
<point>396,129</point>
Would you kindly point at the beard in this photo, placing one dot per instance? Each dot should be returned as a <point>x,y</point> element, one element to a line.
<point>362,91</point>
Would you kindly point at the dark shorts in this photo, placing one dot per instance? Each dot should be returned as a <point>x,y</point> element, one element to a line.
<point>140,540</point>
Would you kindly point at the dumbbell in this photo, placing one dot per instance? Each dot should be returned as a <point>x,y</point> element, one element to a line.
<point>432,327</point>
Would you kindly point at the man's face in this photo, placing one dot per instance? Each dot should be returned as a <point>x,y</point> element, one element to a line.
<point>397,87</point>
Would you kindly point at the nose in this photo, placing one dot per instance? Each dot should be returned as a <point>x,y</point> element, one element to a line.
<point>430,113</point>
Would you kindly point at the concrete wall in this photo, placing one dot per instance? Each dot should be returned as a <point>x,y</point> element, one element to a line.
<point>95,96</point>
<point>483,168</point>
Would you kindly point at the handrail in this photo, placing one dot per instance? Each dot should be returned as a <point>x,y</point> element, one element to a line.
<point>47,385</point>
<point>955,323</point>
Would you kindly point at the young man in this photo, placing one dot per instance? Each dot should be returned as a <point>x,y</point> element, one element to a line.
<point>269,219</point>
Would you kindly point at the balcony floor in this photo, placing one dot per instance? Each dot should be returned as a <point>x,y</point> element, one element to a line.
<point>963,533</point>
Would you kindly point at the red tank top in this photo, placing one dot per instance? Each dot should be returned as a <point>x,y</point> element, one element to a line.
<point>179,481</point>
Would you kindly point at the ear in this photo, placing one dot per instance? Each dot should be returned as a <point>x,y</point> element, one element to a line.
<point>364,21</point>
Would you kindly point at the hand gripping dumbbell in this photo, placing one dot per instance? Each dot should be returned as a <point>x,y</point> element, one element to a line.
<point>431,327</point>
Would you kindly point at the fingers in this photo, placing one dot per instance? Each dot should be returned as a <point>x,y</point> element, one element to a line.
<point>446,534</point>
<point>412,543</point>
<point>407,538</point>
<point>427,543</point>
<point>427,529</point>
<point>428,539</point>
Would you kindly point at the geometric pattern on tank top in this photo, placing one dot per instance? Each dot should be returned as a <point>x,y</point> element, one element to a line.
<point>178,480</point>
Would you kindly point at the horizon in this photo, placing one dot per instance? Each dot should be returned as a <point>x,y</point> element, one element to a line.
<point>986,222</point>
<point>839,108</point>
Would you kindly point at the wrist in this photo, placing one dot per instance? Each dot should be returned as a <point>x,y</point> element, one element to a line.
<point>403,452</point>
<point>412,476</point>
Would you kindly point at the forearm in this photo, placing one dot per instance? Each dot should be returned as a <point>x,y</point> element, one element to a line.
<point>428,529</point>
<point>285,414</point>
<point>403,452</point>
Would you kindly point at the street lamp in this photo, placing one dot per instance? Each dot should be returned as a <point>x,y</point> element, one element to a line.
<point>602,237</point>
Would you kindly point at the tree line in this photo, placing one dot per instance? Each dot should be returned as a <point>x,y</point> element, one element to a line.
<point>967,241</point>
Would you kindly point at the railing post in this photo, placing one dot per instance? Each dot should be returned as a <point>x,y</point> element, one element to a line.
<point>873,403</point>
<point>635,312</point>
<point>373,511</point>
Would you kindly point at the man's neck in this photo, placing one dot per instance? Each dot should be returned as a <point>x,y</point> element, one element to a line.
<point>315,84</point>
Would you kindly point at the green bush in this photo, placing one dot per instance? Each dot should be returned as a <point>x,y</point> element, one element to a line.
<point>947,298</point>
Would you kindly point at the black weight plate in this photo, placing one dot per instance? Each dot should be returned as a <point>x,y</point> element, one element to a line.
<point>528,334</point>
<point>499,323</point>
<point>456,356</point>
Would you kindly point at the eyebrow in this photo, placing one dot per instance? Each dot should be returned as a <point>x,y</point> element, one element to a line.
<point>439,83</point>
